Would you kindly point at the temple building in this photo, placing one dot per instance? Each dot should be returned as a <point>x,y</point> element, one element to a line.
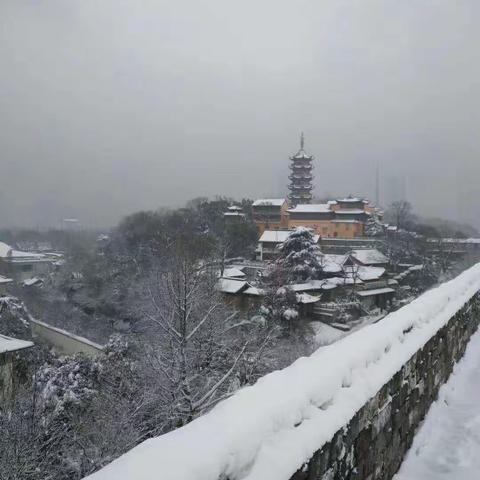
<point>342,218</point>
<point>270,214</point>
<point>301,177</point>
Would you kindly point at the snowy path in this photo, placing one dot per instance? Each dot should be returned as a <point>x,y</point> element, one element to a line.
<point>447,446</point>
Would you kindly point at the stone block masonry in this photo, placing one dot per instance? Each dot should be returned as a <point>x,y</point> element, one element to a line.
<point>373,444</point>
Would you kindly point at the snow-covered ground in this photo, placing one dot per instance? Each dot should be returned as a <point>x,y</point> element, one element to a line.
<point>447,446</point>
<point>325,334</point>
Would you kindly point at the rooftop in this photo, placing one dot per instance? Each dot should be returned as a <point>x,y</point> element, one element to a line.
<point>378,291</point>
<point>279,236</point>
<point>8,344</point>
<point>268,202</point>
<point>232,272</point>
<point>6,251</point>
<point>229,285</point>
<point>349,200</point>
<point>311,208</point>
<point>369,256</point>
<point>302,154</point>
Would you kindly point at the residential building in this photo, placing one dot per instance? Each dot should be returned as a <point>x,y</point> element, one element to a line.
<point>342,218</point>
<point>270,240</point>
<point>9,347</point>
<point>21,265</point>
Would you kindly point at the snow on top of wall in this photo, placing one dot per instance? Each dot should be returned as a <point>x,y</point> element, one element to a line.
<point>267,431</point>
<point>454,240</point>
<point>8,344</point>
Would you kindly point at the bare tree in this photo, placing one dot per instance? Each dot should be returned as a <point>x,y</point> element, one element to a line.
<point>401,213</point>
<point>193,351</point>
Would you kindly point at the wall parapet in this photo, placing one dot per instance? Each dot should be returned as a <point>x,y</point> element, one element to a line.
<point>64,342</point>
<point>348,411</point>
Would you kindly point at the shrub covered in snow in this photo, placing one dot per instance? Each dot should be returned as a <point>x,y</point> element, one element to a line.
<point>299,257</point>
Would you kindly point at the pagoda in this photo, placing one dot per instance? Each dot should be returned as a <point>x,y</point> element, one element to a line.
<point>301,177</point>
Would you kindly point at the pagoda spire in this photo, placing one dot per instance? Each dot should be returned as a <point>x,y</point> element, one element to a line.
<point>301,177</point>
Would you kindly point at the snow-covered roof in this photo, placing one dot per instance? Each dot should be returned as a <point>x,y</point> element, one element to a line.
<point>332,263</point>
<point>311,285</point>
<point>229,285</point>
<point>302,154</point>
<point>325,284</point>
<point>235,208</point>
<point>255,291</point>
<point>345,220</point>
<point>279,236</point>
<point>349,200</point>
<point>233,272</point>
<point>5,280</point>
<point>370,273</point>
<point>305,298</point>
<point>8,344</point>
<point>268,202</point>
<point>377,291</point>
<point>339,281</point>
<point>6,251</point>
<point>32,281</point>
<point>24,255</point>
<point>369,256</point>
<point>275,236</point>
<point>233,214</point>
<point>311,208</point>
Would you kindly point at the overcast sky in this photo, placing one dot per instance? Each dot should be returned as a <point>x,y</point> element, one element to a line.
<point>111,106</point>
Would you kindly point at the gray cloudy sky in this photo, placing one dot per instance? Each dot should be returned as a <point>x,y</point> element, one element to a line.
<point>111,106</point>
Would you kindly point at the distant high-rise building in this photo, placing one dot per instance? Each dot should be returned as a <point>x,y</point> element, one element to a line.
<point>396,190</point>
<point>301,177</point>
<point>377,186</point>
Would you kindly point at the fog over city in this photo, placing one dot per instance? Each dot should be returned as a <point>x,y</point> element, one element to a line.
<point>109,107</point>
